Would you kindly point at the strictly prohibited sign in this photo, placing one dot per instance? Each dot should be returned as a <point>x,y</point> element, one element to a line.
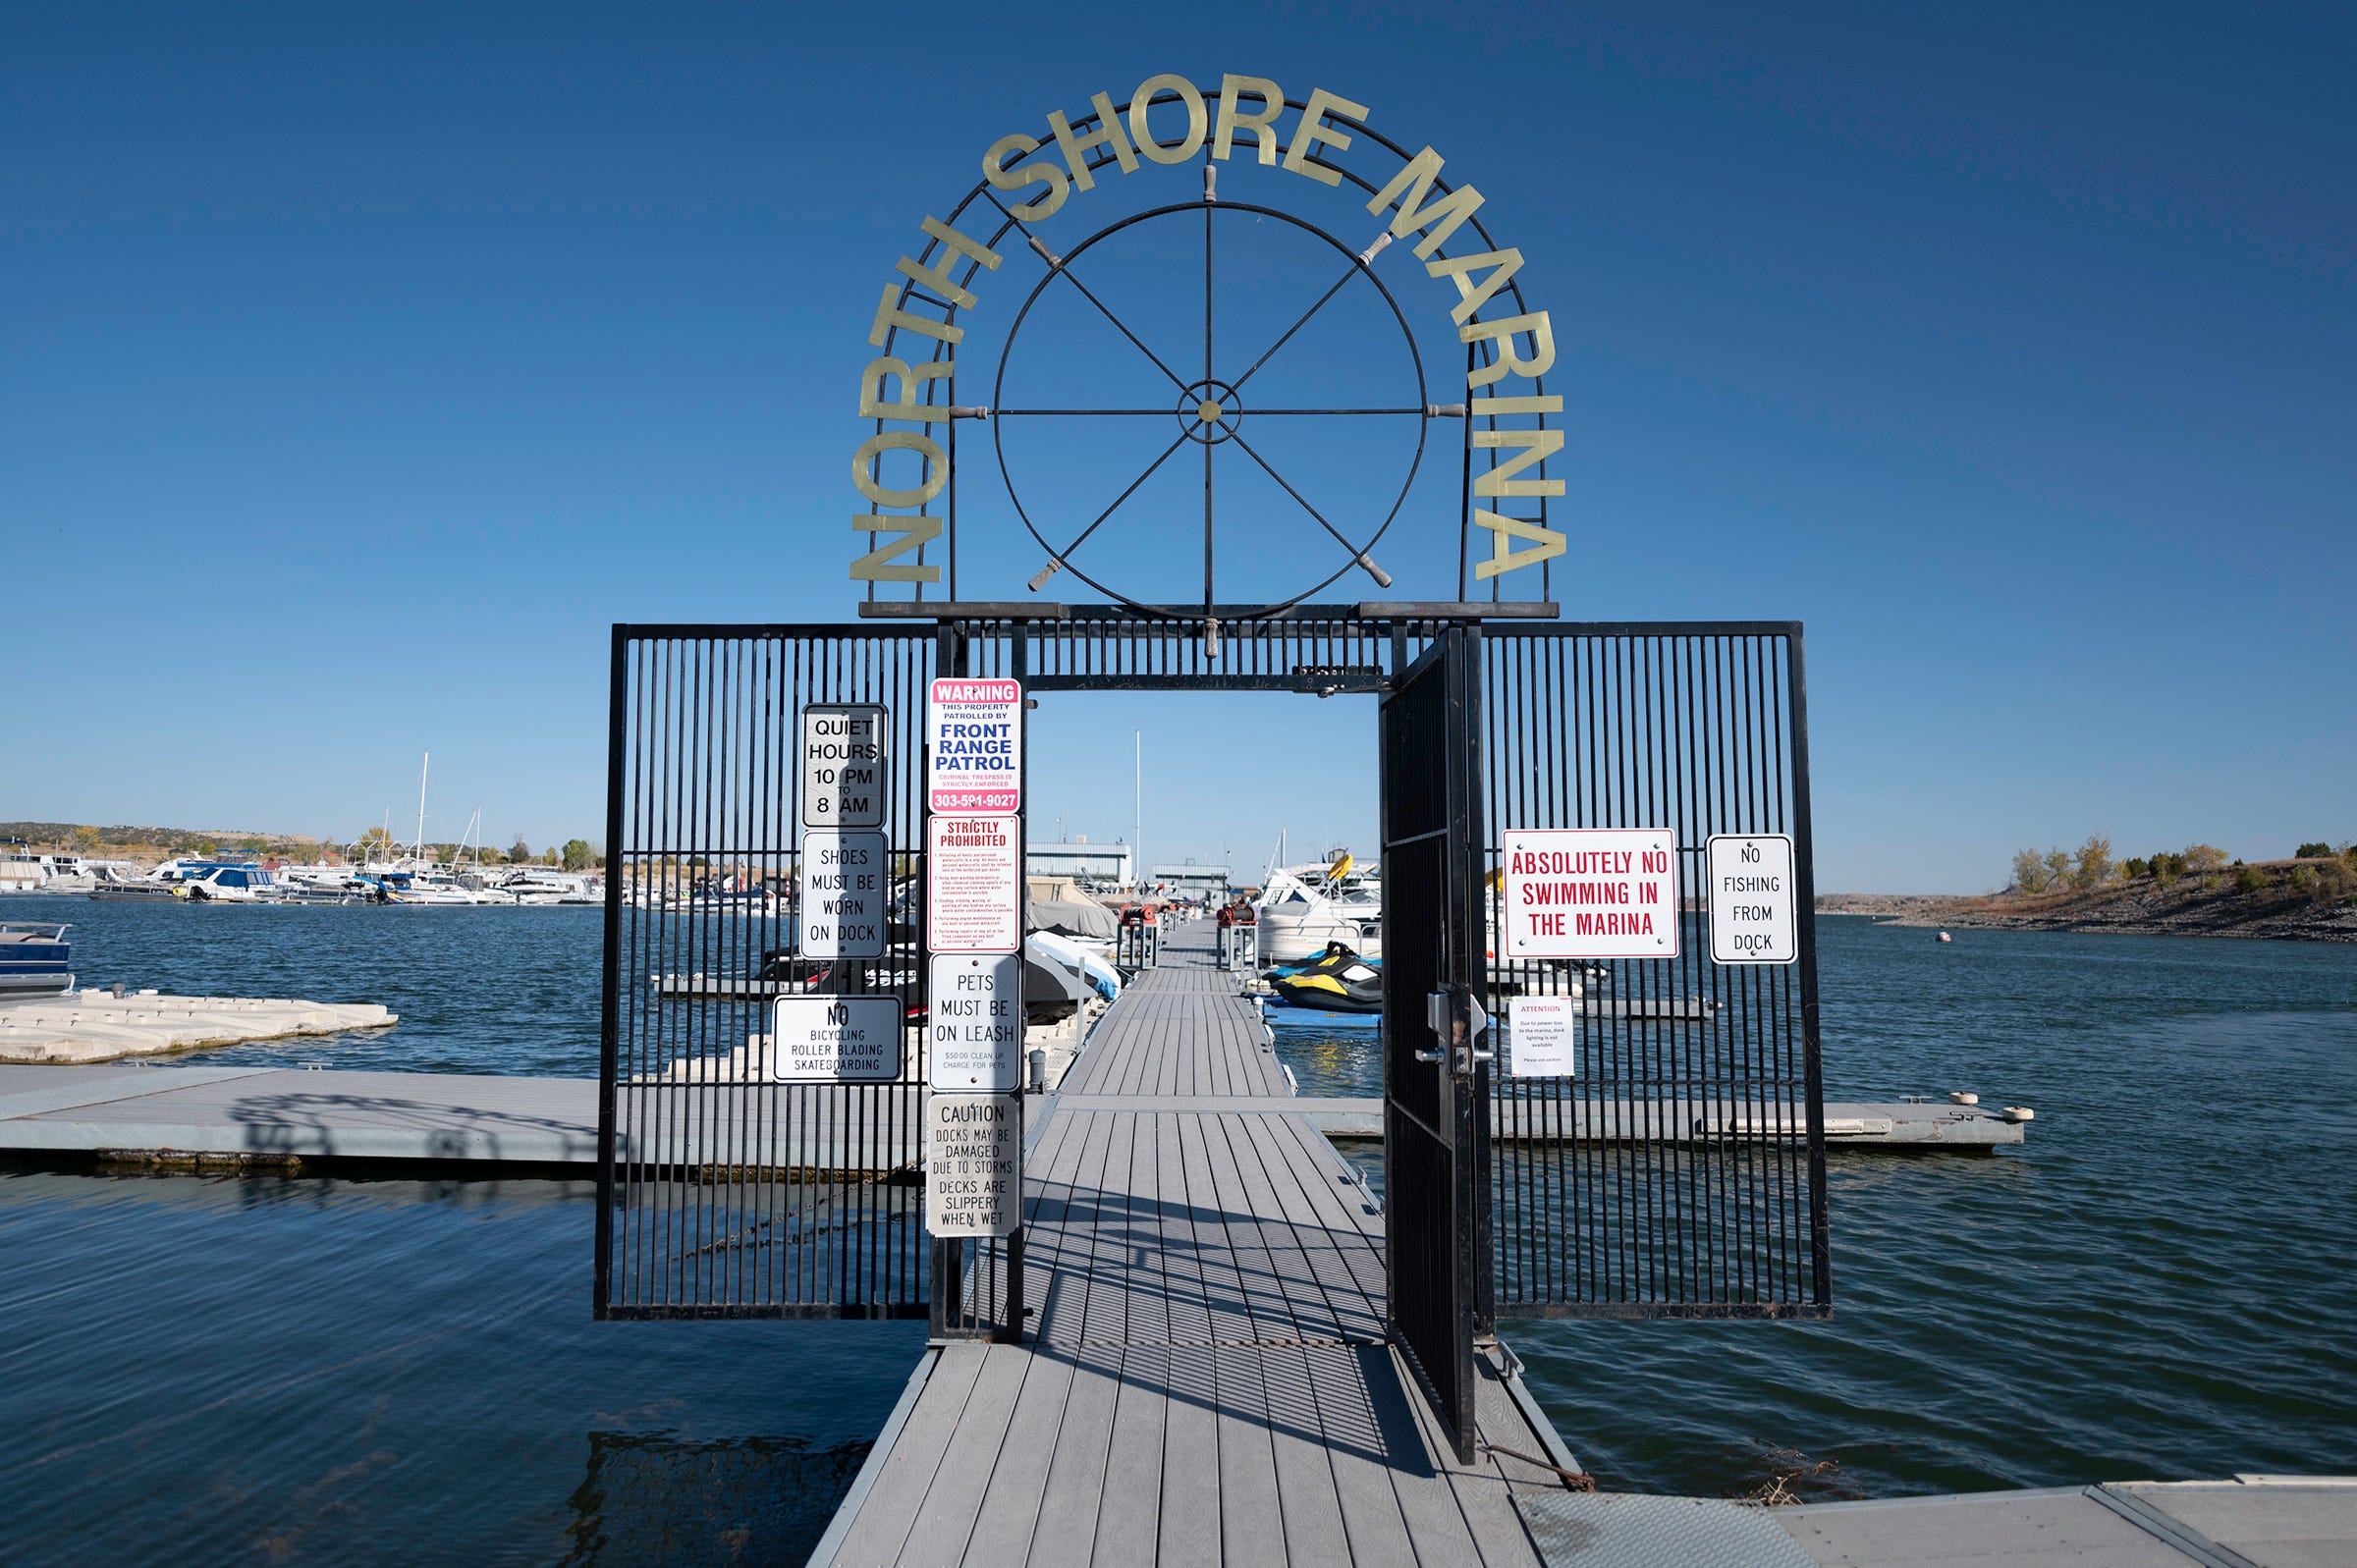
<point>973,885</point>
<point>1591,892</point>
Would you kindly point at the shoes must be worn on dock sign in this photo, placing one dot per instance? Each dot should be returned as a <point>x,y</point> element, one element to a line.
<point>843,887</point>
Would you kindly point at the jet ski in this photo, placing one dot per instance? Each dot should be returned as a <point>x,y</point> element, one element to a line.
<point>1345,983</point>
<point>1333,956</point>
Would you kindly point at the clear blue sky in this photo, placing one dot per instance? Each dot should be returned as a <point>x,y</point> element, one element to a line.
<point>357,369</point>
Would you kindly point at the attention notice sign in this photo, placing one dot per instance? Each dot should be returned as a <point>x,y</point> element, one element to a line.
<point>1591,892</point>
<point>976,759</point>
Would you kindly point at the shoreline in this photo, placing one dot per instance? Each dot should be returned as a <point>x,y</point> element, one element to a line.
<point>2126,911</point>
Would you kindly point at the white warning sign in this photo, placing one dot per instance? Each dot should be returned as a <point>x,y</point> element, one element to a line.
<point>843,886</point>
<point>976,754</point>
<point>835,1039</point>
<point>1543,1036</point>
<point>973,1165</point>
<point>1752,903</point>
<point>1591,892</point>
<point>974,1035</point>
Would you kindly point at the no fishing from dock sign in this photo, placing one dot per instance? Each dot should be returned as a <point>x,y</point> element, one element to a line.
<point>1591,892</point>
<point>1752,918</point>
<point>975,757</point>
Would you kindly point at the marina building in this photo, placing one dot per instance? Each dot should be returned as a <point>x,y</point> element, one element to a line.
<point>1191,881</point>
<point>1080,860</point>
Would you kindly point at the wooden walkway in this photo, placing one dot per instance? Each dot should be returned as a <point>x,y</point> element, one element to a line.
<point>1207,1380</point>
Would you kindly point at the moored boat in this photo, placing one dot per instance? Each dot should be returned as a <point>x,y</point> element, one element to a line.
<point>35,960</point>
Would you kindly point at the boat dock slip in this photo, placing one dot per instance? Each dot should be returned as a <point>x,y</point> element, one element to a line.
<point>1206,1379</point>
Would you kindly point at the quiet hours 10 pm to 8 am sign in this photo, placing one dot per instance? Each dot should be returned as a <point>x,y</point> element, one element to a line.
<point>843,766</point>
<point>1589,892</point>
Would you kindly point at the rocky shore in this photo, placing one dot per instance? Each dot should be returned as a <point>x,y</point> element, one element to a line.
<point>2190,908</point>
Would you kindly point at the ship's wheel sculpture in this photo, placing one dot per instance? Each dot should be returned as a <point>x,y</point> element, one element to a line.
<point>1211,412</point>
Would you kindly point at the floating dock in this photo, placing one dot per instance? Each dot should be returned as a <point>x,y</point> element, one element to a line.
<point>454,1122</point>
<point>1207,1378</point>
<point>2248,1522</point>
<point>93,1026</point>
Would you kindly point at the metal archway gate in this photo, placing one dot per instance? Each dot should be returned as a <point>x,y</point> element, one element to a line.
<point>1679,1172</point>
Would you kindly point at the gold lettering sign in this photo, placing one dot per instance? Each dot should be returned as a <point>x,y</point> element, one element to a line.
<point>1046,172</point>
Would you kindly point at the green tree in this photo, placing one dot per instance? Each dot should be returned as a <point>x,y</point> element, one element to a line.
<point>520,851</point>
<point>2029,870</point>
<point>2057,867</point>
<point>2094,861</point>
<point>2319,850</point>
<point>579,856</point>
<point>2133,868</point>
<point>2250,879</point>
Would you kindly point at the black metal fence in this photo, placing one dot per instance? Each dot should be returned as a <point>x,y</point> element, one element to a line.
<point>1681,1172</point>
<point>724,1192</point>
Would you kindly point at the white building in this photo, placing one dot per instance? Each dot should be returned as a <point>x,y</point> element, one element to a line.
<point>1080,860</point>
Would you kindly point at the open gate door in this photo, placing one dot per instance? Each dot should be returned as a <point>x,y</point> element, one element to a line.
<point>1435,1082</point>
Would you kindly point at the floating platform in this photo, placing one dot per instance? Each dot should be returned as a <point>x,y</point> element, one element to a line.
<point>93,1026</point>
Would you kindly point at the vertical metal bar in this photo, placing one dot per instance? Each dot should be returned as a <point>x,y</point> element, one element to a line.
<point>1804,905</point>
<point>609,999</point>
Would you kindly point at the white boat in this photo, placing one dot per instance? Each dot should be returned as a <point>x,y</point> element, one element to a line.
<point>1302,908</point>
<point>229,884</point>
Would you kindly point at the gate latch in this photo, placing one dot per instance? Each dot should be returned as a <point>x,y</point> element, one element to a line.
<point>1457,1017</point>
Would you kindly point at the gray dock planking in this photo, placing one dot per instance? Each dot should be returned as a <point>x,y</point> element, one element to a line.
<point>1206,1380</point>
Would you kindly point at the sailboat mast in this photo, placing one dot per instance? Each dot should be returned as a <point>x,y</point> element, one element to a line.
<point>419,852</point>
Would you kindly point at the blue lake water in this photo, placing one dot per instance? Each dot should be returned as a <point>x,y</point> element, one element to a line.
<point>315,1371</point>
